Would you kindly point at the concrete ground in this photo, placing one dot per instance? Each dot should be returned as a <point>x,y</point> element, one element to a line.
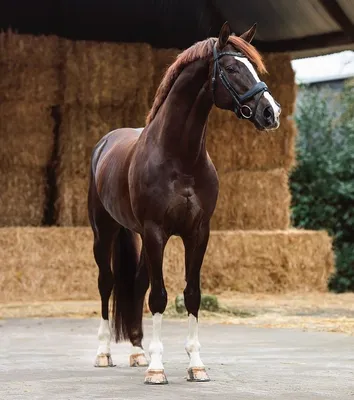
<point>53,359</point>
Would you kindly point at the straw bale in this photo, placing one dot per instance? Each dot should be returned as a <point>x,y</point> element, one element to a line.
<point>29,68</point>
<point>19,49</point>
<point>71,204</point>
<point>235,144</point>
<point>22,199</point>
<point>101,74</point>
<point>26,134</point>
<point>31,83</point>
<point>257,261</point>
<point>253,200</point>
<point>279,67</point>
<point>58,264</point>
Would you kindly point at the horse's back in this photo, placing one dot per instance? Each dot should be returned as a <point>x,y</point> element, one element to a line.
<point>119,141</point>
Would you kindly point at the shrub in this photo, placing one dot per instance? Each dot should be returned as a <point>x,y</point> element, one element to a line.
<point>322,185</point>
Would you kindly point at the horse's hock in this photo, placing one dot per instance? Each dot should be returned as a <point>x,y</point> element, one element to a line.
<point>96,87</point>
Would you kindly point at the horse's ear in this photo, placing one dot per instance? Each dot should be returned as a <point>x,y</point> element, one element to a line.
<point>224,35</point>
<point>249,35</point>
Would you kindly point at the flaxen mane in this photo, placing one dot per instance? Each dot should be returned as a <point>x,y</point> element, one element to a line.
<point>196,52</point>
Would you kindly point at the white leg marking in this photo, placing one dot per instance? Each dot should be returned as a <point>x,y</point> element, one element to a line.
<point>156,347</point>
<point>267,95</point>
<point>192,343</point>
<point>104,337</point>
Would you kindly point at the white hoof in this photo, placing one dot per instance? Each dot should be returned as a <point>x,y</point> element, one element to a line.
<point>104,360</point>
<point>155,377</point>
<point>197,374</point>
<point>138,360</point>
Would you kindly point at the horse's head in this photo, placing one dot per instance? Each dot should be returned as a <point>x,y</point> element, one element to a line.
<point>235,83</point>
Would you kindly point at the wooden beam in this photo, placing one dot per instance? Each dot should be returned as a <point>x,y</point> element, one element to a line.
<point>306,43</point>
<point>337,13</point>
<point>217,20</point>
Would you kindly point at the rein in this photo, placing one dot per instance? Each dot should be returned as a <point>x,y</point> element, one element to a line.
<point>242,111</point>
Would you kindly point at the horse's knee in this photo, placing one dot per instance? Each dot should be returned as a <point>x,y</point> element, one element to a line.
<point>158,299</point>
<point>192,298</point>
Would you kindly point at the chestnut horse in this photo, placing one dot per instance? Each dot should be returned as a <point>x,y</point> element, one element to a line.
<point>160,181</point>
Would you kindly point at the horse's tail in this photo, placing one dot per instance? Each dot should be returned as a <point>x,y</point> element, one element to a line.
<point>124,262</point>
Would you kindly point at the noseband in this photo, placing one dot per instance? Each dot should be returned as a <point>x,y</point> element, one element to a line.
<point>241,110</point>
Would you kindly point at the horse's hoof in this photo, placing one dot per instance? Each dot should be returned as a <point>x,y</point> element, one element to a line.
<point>155,377</point>
<point>197,374</point>
<point>138,360</point>
<point>104,360</point>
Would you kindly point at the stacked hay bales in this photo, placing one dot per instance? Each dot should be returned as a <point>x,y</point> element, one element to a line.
<point>29,86</point>
<point>39,264</point>
<point>105,86</point>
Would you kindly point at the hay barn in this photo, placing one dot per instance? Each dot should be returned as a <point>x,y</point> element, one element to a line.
<point>70,73</point>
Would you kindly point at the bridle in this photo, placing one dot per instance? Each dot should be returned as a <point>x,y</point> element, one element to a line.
<point>241,110</point>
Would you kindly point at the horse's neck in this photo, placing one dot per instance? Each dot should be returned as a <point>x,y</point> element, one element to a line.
<point>182,118</point>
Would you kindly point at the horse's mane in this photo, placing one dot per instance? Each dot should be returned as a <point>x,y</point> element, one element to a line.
<point>198,51</point>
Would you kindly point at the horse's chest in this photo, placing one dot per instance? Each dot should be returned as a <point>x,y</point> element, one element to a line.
<point>183,202</point>
<point>183,185</point>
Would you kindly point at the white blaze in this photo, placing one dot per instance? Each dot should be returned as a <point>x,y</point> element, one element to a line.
<point>267,95</point>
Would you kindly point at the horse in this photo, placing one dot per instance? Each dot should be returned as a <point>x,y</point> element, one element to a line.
<point>159,181</point>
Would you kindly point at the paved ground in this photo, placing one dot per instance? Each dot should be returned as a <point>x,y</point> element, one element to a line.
<point>53,358</point>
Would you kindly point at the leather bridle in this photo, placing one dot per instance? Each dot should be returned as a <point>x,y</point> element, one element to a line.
<point>241,109</point>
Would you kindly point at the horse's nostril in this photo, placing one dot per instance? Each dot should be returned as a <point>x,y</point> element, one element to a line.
<point>268,114</point>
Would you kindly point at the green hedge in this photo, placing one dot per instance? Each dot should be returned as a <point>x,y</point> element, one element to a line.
<point>322,185</point>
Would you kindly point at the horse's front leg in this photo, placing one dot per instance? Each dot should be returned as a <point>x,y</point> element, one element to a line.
<point>195,247</point>
<point>154,242</point>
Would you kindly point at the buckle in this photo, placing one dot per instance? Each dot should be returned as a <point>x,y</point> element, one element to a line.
<point>246,111</point>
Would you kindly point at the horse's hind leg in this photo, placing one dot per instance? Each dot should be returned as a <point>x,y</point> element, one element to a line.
<point>104,229</point>
<point>195,247</point>
<point>137,356</point>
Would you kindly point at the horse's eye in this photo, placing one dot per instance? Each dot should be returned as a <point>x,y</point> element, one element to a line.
<point>231,69</point>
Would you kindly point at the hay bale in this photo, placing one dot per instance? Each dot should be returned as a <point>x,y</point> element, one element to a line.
<point>29,49</point>
<point>30,83</point>
<point>29,68</point>
<point>26,134</point>
<point>22,199</point>
<point>101,74</point>
<point>253,200</point>
<point>235,144</point>
<point>58,264</point>
<point>47,264</point>
<point>257,261</point>
<point>71,204</point>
